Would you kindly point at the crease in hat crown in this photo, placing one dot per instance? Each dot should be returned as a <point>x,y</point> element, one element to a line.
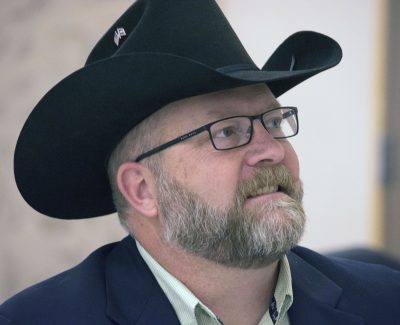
<point>172,49</point>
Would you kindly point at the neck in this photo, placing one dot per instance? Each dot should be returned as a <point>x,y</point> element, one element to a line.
<point>218,286</point>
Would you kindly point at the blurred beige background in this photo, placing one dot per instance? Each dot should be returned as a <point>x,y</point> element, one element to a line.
<point>43,41</point>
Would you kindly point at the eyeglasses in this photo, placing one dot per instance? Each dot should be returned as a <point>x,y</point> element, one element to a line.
<point>237,131</point>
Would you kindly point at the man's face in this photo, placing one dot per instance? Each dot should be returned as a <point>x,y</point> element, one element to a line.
<point>239,207</point>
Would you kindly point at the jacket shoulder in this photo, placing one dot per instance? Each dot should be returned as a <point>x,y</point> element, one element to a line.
<point>73,293</point>
<point>341,268</point>
<point>367,289</point>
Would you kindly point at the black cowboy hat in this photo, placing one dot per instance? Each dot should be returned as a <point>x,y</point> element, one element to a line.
<point>157,52</point>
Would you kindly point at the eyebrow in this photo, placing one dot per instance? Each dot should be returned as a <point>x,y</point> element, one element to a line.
<point>216,113</point>
<point>275,104</point>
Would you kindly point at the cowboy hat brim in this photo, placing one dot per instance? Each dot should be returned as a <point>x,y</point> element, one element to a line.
<point>60,160</point>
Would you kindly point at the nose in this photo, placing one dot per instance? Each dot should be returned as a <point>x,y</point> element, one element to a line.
<point>263,148</point>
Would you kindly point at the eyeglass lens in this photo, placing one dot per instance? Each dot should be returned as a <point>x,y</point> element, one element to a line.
<point>236,131</point>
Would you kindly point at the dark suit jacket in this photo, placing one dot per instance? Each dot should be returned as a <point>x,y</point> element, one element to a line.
<point>114,286</point>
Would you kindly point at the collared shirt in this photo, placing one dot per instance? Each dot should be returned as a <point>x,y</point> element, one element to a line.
<point>191,311</point>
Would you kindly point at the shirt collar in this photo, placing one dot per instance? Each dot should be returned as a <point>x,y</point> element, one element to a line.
<point>187,305</point>
<point>184,302</point>
<point>283,291</point>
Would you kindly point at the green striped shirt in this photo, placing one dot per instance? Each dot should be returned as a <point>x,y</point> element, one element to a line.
<point>191,311</point>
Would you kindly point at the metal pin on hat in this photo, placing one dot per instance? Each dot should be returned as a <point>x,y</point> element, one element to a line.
<point>118,34</point>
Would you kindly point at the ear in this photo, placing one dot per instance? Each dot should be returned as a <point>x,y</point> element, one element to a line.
<point>136,184</point>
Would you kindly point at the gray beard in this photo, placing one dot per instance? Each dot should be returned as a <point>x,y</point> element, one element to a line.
<point>237,236</point>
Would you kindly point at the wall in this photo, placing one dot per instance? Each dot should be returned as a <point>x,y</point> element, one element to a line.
<point>337,144</point>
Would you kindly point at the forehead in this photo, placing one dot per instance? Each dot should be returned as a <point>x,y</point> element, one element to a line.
<point>246,100</point>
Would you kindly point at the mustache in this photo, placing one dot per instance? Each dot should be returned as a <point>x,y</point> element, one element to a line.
<point>268,180</point>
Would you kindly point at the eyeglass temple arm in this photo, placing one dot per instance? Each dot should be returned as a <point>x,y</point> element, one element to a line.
<point>293,111</point>
<point>172,142</point>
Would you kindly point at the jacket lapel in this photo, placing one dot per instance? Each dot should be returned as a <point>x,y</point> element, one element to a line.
<point>315,297</point>
<point>133,294</point>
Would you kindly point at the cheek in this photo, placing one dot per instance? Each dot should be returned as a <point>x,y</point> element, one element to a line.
<point>216,182</point>
<point>291,161</point>
<point>222,185</point>
<point>210,177</point>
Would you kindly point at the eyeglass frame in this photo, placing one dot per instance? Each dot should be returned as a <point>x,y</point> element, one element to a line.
<point>207,127</point>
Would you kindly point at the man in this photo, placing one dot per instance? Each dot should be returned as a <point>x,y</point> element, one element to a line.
<point>202,175</point>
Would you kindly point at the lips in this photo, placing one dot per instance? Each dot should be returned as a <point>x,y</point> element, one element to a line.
<point>266,190</point>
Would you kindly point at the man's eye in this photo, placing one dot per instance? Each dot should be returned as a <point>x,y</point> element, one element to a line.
<point>274,123</point>
<point>225,132</point>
